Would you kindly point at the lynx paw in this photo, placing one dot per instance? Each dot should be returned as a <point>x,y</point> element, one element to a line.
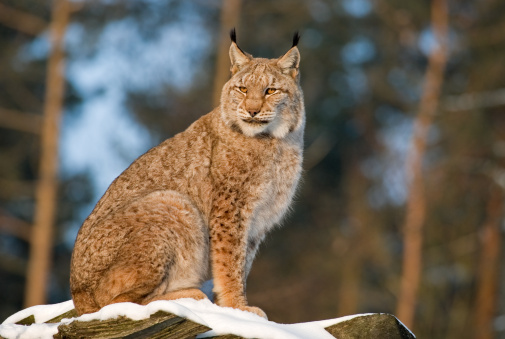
<point>255,310</point>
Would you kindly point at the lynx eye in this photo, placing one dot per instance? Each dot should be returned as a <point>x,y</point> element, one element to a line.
<point>243,89</point>
<point>270,91</point>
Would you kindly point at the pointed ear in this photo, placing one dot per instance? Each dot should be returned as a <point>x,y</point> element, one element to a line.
<point>290,62</point>
<point>238,57</point>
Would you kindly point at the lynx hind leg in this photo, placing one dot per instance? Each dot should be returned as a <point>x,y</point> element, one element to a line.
<point>166,252</point>
<point>84,302</point>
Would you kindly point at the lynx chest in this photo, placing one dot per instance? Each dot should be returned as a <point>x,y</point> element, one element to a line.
<point>277,188</point>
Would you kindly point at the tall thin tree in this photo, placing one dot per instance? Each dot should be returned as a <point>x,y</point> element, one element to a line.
<point>486,303</point>
<point>230,13</point>
<point>416,204</point>
<point>42,234</point>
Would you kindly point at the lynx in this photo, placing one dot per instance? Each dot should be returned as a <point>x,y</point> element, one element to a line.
<point>198,205</point>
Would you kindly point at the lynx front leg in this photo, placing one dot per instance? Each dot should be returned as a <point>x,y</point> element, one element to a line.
<point>228,244</point>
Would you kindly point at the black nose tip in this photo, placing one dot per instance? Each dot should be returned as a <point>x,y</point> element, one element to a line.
<point>253,113</point>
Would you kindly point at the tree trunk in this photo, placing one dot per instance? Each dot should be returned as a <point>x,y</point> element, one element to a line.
<point>230,13</point>
<point>350,286</point>
<point>416,204</point>
<point>489,267</point>
<point>41,239</point>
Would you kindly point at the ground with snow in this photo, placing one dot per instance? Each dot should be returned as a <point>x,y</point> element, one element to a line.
<point>222,320</point>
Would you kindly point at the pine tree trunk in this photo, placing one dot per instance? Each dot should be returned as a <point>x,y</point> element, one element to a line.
<point>230,14</point>
<point>489,267</point>
<point>42,234</point>
<point>350,286</point>
<point>416,205</point>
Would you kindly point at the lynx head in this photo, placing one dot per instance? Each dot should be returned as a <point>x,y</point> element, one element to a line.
<point>263,96</point>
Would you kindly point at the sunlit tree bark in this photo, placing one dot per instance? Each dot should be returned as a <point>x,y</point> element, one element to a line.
<point>230,14</point>
<point>41,239</point>
<point>416,205</point>
<point>489,267</point>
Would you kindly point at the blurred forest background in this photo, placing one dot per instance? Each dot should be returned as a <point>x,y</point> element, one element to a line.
<point>401,208</point>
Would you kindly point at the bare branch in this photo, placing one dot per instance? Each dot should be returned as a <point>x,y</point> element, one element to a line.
<point>25,122</point>
<point>487,36</point>
<point>472,101</point>
<point>15,226</point>
<point>21,21</point>
<point>12,264</point>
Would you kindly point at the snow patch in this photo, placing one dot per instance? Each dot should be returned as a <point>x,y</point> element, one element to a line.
<point>222,320</point>
<point>42,313</point>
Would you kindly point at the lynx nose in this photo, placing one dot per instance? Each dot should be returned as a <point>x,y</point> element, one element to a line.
<point>253,106</point>
<point>253,113</point>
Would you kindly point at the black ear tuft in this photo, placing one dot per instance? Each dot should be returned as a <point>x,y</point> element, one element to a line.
<point>296,38</point>
<point>233,35</point>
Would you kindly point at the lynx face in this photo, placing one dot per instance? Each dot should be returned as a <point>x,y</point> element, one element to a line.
<point>263,96</point>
